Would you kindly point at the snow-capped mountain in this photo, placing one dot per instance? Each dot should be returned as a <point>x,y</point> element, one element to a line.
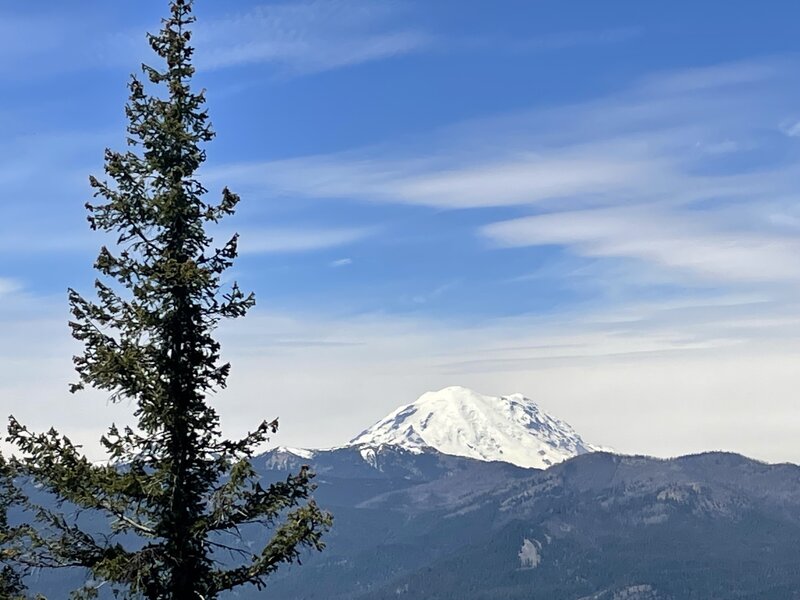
<point>461,422</point>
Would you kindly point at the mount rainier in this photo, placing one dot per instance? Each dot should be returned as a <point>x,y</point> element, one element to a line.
<point>460,422</point>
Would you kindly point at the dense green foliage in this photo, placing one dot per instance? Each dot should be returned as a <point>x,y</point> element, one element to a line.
<point>11,587</point>
<point>176,492</point>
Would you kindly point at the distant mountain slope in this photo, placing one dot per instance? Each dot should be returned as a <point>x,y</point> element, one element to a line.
<point>430,526</point>
<point>597,527</point>
<point>461,422</point>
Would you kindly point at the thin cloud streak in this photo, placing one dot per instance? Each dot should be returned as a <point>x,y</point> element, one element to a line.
<point>521,179</point>
<point>308,36</point>
<point>686,242</point>
<point>283,240</point>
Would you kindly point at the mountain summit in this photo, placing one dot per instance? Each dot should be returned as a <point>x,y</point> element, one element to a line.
<point>461,422</point>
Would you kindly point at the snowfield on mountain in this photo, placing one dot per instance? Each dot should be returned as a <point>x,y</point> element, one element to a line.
<point>461,422</point>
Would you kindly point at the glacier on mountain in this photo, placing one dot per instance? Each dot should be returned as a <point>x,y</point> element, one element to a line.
<point>461,422</point>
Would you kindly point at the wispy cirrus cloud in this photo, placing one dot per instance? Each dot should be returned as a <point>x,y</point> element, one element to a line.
<point>308,36</point>
<point>284,240</point>
<point>521,178</point>
<point>695,243</point>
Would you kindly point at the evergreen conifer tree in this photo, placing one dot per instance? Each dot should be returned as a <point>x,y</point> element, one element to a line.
<point>173,481</point>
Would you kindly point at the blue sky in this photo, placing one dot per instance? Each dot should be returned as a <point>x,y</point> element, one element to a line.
<point>591,203</point>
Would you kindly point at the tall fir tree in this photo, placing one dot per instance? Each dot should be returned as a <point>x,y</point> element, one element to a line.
<point>173,480</point>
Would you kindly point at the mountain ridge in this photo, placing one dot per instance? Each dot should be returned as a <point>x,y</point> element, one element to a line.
<point>598,526</point>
